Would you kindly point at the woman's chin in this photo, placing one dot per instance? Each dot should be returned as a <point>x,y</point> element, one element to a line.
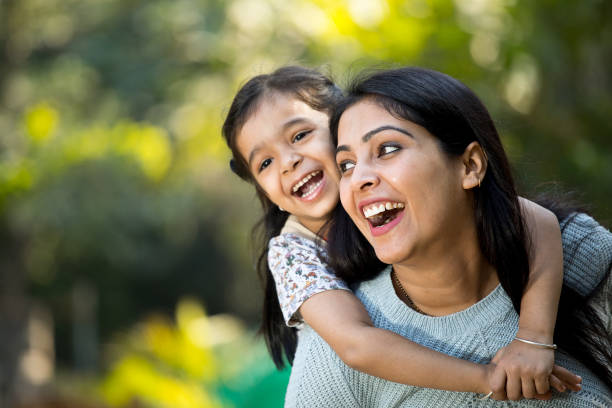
<point>389,256</point>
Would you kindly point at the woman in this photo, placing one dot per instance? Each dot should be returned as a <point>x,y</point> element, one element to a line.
<point>455,240</point>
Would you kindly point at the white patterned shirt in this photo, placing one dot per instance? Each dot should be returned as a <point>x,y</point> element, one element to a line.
<point>296,260</point>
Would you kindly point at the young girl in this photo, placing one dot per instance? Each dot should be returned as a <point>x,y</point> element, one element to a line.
<point>277,129</point>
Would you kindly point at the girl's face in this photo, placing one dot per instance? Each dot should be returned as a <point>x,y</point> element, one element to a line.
<point>404,194</point>
<point>289,151</point>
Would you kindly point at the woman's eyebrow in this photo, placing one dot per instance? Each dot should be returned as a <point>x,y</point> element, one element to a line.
<point>342,148</point>
<point>371,133</point>
<point>368,136</point>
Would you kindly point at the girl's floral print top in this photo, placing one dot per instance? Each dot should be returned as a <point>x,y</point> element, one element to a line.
<point>299,271</point>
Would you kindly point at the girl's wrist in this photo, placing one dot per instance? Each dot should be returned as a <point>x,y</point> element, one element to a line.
<point>540,336</point>
<point>485,371</point>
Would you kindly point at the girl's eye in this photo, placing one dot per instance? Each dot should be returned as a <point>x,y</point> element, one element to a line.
<point>264,164</point>
<point>345,166</point>
<point>386,149</point>
<point>300,135</point>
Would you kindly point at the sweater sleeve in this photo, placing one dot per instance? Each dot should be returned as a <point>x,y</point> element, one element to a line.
<point>298,273</point>
<point>587,252</point>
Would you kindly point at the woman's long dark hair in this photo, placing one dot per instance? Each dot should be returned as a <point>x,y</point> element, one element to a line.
<point>320,93</point>
<point>456,117</point>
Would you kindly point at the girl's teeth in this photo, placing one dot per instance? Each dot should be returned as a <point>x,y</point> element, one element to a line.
<point>312,188</point>
<point>304,181</point>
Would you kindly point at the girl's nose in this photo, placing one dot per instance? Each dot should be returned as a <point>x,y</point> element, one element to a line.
<point>291,161</point>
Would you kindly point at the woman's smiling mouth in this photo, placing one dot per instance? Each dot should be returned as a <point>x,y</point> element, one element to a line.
<point>382,215</point>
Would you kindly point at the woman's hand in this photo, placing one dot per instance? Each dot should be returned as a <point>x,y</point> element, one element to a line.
<point>527,371</point>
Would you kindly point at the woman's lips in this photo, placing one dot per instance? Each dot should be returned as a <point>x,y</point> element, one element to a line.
<point>383,229</point>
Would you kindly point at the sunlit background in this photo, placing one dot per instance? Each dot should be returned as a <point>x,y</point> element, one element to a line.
<point>126,278</point>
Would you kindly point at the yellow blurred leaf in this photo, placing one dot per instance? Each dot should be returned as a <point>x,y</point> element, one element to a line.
<point>41,121</point>
<point>149,145</point>
<point>134,378</point>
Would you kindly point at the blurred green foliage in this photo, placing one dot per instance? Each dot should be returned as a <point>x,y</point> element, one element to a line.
<point>194,362</point>
<point>113,171</point>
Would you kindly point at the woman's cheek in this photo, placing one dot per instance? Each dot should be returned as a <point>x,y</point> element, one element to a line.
<point>345,196</point>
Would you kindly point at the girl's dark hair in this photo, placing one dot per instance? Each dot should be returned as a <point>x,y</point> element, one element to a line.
<point>453,114</point>
<point>320,93</point>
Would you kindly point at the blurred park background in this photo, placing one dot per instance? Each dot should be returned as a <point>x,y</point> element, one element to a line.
<point>126,278</point>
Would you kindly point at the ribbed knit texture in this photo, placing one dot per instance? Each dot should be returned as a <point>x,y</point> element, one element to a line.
<point>587,249</point>
<point>320,379</point>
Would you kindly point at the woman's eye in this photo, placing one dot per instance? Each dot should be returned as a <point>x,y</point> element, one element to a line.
<point>265,164</point>
<point>345,166</point>
<point>300,135</point>
<point>386,149</point>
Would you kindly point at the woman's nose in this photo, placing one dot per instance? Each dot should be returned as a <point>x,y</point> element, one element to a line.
<point>291,161</point>
<point>363,178</point>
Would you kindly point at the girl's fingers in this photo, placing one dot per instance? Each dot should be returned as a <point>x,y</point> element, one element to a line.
<point>571,380</point>
<point>513,388</point>
<point>542,384</point>
<point>557,384</point>
<point>544,397</point>
<point>528,387</point>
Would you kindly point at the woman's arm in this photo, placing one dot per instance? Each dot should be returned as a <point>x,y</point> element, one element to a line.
<point>343,322</point>
<point>523,369</point>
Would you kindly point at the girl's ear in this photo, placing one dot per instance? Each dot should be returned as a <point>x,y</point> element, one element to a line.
<point>474,166</point>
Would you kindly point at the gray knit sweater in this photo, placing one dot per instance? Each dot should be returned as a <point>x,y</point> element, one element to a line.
<point>320,379</point>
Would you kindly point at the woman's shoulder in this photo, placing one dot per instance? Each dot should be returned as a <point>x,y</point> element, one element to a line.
<point>578,227</point>
<point>587,252</point>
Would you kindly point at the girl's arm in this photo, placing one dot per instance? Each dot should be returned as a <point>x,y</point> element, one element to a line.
<point>308,290</point>
<point>343,322</point>
<point>523,369</point>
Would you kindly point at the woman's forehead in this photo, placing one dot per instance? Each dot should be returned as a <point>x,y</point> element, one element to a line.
<point>363,116</point>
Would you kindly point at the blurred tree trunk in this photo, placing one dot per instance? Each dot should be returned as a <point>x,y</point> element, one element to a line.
<point>13,301</point>
<point>13,315</point>
<point>6,8</point>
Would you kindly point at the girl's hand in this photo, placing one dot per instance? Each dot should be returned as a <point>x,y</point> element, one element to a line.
<point>524,370</point>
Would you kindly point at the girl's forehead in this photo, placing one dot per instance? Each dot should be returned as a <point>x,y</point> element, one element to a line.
<point>275,116</point>
<point>277,110</point>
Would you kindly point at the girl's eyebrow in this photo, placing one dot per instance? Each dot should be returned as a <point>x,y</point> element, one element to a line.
<point>253,153</point>
<point>368,136</point>
<point>294,121</point>
<point>291,122</point>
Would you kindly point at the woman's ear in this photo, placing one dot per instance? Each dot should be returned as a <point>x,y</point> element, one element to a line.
<point>474,166</point>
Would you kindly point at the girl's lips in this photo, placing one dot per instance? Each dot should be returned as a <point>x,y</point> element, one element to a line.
<point>313,195</point>
<point>383,229</point>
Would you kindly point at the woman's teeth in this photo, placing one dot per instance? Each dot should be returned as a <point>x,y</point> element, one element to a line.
<point>373,210</point>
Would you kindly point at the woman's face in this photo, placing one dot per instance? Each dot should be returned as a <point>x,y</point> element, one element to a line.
<point>289,151</point>
<point>404,194</point>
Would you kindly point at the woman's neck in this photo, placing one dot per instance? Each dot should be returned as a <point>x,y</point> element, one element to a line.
<point>448,282</point>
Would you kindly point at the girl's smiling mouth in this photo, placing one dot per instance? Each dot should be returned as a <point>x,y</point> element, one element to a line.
<point>309,186</point>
